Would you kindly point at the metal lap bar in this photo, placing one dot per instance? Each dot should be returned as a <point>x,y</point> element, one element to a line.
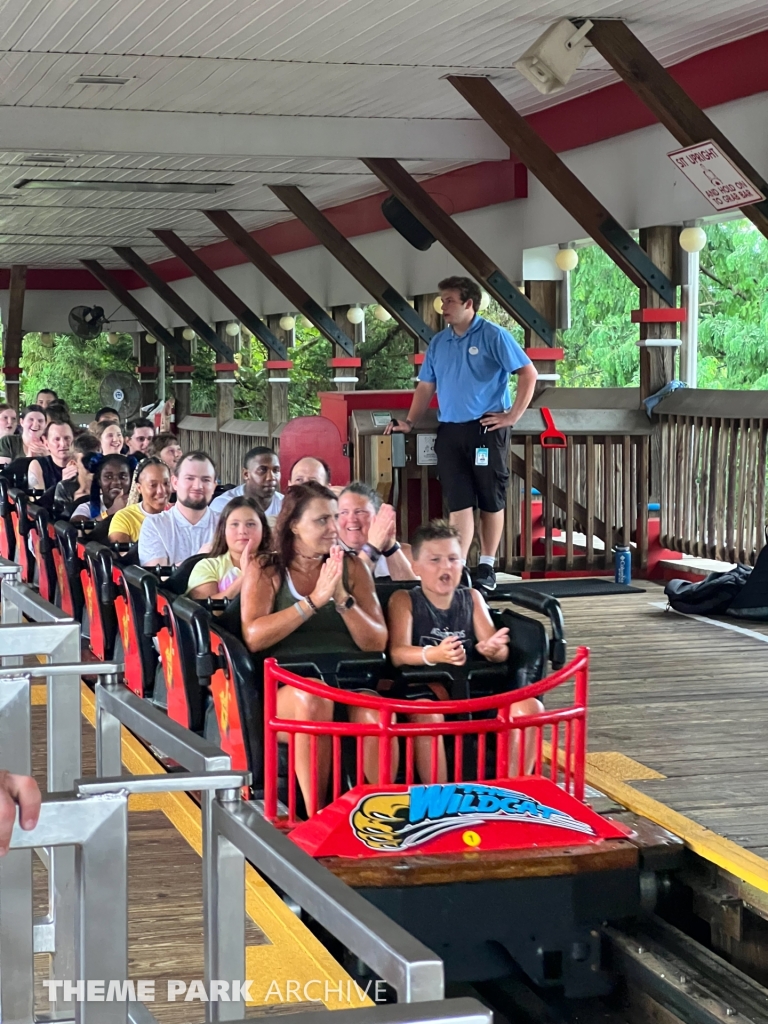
<point>415,972</point>
<point>98,827</point>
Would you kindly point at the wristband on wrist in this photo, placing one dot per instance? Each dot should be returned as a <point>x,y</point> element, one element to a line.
<point>373,552</point>
<point>391,551</point>
<point>301,611</point>
<point>424,657</point>
<point>311,603</point>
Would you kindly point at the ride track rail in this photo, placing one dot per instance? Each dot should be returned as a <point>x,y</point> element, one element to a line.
<point>686,978</point>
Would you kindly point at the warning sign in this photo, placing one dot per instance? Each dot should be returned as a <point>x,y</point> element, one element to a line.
<point>716,176</point>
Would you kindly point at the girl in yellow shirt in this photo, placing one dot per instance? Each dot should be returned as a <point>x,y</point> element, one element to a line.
<point>219,575</point>
<point>149,495</point>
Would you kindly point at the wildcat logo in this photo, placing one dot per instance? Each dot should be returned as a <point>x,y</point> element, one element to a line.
<point>399,821</point>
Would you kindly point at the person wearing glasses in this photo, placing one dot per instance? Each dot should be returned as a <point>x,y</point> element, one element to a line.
<point>468,365</point>
<point>367,527</point>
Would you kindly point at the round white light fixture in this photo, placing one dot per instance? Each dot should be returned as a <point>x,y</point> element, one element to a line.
<point>232,330</point>
<point>356,315</point>
<point>188,334</point>
<point>437,305</point>
<point>485,299</point>
<point>382,314</point>
<point>150,339</point>
<point>113,338</point>
<point>566,260</point>
<point>693,239</point>
<point>305,322</point>
<point>287,323</point>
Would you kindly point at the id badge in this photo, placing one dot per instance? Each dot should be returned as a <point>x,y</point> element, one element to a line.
<point>481,456</point>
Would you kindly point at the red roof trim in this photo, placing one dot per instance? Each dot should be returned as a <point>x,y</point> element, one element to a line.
<point>725,73</point>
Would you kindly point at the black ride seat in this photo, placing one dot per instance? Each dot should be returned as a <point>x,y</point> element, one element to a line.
<point>18,501</point>
<point>66,558</point>
<point>7,535</point>
<point>41,545</point>
<point>100,599</point>
<point>136,610</point>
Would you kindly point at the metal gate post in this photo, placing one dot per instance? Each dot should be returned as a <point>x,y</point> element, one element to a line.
<point>59,641</point>
<point>17,983</point>
<point>223,908</point>
<point>97,827</point>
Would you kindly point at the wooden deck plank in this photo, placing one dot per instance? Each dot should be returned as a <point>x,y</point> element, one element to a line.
<point>686,698</point>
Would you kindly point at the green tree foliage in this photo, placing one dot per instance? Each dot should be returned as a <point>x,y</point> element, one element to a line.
<point>733,306</point>
<point>71,367</point>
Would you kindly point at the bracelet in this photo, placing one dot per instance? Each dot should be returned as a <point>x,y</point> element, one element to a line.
<point>373,552</point>
<point>301,611</point>
<point>424,657</point>
<point>311,603</point>
<point>395,547</point>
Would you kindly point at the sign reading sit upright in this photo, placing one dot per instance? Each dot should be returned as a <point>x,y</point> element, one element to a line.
<point>716,176</point>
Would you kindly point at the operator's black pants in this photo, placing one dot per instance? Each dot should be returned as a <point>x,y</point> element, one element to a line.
<point>464,483</point>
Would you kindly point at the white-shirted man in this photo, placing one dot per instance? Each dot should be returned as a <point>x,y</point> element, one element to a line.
<point>261,479</point>
<point>169,538</point>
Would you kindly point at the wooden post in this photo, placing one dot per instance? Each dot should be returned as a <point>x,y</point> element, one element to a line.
<point>148,369</point>
<point>182,378</point>
<point>543,296</point>
<point>657,364</point>
<point>277,370</point>
<point>14,332</point>
<point>343,364</point>
<point>225,388</point>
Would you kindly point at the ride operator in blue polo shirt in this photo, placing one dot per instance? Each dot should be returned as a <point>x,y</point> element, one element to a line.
<point>468,364</point>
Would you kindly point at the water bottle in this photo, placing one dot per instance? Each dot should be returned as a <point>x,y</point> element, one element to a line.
<point>623,564</point>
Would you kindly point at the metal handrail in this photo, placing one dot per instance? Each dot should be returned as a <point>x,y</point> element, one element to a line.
<point>413,970</point>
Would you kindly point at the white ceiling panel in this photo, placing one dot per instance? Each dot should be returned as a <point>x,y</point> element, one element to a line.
<point>335,59</point>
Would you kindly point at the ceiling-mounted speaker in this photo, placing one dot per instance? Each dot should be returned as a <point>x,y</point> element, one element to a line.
<point>403,221</point>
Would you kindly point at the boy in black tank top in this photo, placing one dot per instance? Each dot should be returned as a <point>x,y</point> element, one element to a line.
<point>441,623</point>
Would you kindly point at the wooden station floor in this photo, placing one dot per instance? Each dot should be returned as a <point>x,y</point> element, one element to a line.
<point>678,719</point>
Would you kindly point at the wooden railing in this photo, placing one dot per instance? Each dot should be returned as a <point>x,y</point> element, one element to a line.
<point>227,445</point>
<point>591,495</point>
<point>713,473</point>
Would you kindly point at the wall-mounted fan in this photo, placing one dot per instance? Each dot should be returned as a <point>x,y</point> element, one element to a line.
<point>87,322</point>
<point>121,391</point>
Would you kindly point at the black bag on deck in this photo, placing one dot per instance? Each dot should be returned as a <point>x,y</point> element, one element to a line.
<point>752,600</point>
<point>712,596</point>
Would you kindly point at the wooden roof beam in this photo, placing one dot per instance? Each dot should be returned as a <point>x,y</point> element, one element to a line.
<point>421,204</point>
<point>132,304</point>
<point>223,293</point>
<point>353,260</point>
<point>177,304</point>
<point>559,179</point>
<point>674,108</point>
<point>280,278</point>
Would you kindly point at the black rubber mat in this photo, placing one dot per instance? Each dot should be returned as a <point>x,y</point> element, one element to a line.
<point>588,587</point>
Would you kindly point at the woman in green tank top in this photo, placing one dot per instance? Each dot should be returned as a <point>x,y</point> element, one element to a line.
<point>309,596</point>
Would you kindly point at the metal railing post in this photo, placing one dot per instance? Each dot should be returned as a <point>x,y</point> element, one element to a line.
<point>16,937</point>
<point>223,909</point>
<point>99,828</point>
